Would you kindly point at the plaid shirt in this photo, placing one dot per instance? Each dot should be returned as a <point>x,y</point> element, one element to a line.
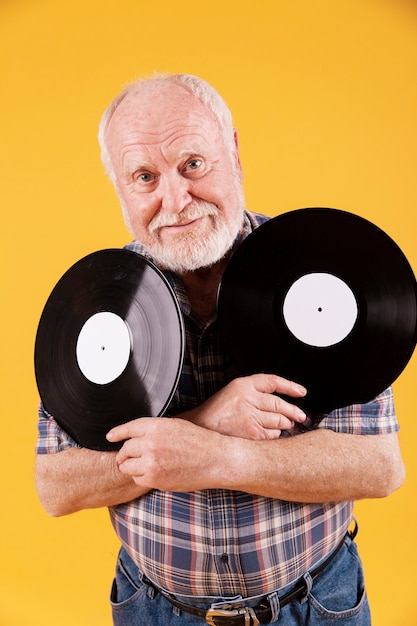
<point>221,543</point>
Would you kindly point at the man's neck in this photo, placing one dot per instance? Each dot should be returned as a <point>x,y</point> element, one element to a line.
<point>202,287</point>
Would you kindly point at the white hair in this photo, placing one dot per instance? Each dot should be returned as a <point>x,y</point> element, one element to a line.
<point>197,86</point>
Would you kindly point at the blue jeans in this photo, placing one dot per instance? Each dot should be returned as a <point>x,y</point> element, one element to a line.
<point>337,597</point>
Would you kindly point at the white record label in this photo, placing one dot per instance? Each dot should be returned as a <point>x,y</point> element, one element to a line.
<point>320,309</point>
<point>103,347</point>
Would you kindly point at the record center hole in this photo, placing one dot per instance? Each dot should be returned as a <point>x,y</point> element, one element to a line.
<point>319,309</point>
<point>103,347</point>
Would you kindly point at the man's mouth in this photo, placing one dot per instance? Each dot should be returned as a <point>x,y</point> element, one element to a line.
<point>181,226</point>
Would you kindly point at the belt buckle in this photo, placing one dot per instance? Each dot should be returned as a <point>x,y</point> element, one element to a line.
<point>247,612</point>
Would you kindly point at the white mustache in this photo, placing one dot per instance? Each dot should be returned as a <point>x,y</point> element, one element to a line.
<point>192,212</point>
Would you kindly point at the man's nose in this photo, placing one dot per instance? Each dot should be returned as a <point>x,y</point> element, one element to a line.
<point>175,193</point>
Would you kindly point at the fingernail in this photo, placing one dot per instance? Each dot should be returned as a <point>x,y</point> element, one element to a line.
<point>302,415</point>
<point>110,435</point>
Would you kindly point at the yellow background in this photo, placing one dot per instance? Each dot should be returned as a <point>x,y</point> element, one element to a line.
<point>324,94</point>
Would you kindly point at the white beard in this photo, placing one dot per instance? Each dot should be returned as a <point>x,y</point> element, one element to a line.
<point>191,250</point>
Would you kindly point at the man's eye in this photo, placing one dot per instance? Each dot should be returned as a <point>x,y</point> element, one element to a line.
<point>193,164</point>
<point>145,177</point>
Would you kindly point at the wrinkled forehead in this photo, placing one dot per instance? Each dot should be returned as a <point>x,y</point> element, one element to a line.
<point>156,109</point>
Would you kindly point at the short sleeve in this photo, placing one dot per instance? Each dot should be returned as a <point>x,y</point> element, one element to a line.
<point>51,437</point>
<point>373,418</point>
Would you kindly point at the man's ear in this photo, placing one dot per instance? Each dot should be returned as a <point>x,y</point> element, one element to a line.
<point>238,163</point>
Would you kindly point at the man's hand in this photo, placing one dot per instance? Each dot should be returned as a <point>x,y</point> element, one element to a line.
<point>170,454</point>
<point>185,453</point>
<point>248,408</point>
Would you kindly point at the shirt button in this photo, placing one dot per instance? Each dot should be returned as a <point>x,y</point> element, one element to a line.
<point>224,558</point>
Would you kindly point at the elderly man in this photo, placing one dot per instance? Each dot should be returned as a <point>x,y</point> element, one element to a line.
<point>221,519</point>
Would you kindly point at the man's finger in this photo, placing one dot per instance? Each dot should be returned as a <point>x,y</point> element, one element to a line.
<point>125,431</point>
<point>270,383</point>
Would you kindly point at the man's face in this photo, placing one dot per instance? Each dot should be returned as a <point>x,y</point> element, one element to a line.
<point>178,183</point>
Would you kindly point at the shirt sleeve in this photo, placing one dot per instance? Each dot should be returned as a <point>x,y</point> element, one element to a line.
<point>373,418</point>
<point>51,437</point>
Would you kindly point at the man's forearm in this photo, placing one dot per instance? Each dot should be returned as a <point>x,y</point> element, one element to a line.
<point>320,466</point>
<point>79,478</point>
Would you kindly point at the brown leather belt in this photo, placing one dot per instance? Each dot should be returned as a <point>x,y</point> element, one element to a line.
<point>248,616</point>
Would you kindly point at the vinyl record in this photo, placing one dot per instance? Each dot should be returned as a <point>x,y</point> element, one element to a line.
<point>109,346</point>
<point>322,297</point>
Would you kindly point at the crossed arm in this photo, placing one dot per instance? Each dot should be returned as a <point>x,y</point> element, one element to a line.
<point>232,441</point>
